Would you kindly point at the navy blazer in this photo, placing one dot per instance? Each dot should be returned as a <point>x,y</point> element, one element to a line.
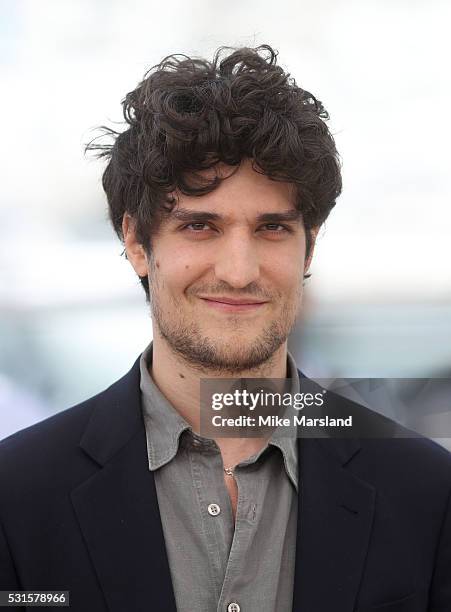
<point>79,512</point>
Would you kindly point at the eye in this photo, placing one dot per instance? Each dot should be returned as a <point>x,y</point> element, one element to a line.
<point>195,227</point>
<point>281,230</point>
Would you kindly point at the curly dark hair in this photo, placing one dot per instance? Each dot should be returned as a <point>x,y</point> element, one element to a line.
<point>189,114</point>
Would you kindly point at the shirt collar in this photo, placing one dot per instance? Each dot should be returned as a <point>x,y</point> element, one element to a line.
<point>164,425</point>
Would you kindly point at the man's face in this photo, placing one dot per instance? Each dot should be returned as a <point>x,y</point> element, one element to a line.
<point>220,247</point>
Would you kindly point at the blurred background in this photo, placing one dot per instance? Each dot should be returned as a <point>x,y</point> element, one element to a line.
<point>73,316</point>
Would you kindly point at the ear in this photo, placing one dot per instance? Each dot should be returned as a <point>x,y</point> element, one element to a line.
<point>136,254</point>
<point>313,235</point>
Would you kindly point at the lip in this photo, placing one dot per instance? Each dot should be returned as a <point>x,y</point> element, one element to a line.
<point>231,305</point>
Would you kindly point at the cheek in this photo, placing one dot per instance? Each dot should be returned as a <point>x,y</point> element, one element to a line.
<point>176,275</point>
<point>179,256</point>
<point>286,273</point>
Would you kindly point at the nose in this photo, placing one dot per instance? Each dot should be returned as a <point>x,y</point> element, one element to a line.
<point>236,260</point>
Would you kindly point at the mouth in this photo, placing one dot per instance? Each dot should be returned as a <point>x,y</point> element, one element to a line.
<point>231,305</point>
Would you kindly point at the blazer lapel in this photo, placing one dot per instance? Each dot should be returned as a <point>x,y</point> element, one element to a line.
<point>334,525</point>
<point>117,507</point>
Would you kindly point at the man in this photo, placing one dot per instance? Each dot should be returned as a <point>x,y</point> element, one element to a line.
<point>217,188</point>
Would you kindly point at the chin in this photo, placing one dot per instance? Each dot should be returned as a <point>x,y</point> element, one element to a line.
<point>235,341</point>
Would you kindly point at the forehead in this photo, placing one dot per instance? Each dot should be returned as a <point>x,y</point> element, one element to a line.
<point>243,190</point>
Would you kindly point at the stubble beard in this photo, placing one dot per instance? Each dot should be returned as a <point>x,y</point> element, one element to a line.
<point>229,357</point>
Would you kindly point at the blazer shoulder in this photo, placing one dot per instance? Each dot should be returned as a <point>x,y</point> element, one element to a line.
<point>43,463</point>
<point>66,427</point>
<point>391,452</point>
<point>45,449</point>
<point>415,463</point>
<point>60,427</point>
<point>45,452</point>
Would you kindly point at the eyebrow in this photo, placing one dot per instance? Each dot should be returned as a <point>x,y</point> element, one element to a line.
<point>185,214</point>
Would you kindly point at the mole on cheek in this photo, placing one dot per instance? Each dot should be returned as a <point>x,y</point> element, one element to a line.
<point>181,375</point>
<point>187,266</point>
<point>157,264</point>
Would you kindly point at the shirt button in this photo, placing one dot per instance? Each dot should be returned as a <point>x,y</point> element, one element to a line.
<point>233,607</point>
<point>214,510</point>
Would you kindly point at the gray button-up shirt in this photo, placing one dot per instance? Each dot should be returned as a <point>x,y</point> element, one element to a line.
<point>216,564</point>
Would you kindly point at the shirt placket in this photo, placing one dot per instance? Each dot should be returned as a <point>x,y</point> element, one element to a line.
<point>215,509</point>
<point>249,484</point>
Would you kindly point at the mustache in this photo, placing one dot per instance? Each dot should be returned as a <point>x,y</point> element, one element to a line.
<point>246,292</point>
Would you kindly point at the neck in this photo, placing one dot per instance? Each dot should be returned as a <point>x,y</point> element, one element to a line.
<point>179,381</point>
